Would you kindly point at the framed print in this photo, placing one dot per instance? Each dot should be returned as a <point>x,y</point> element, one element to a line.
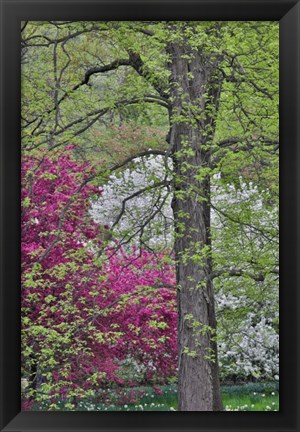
<point>149,215</point>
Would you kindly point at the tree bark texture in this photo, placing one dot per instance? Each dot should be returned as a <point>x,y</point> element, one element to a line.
<point>191,77</point>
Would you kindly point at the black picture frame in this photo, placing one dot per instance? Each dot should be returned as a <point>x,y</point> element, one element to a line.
<point>288,13</point>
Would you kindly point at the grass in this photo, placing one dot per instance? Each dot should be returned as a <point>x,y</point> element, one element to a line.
<point>246,397</point>
<point>251,397</point>
<point>257,402</point>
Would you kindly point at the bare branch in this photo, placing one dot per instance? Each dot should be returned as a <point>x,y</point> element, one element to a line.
<point>137,63</point>
<point>234,79</point>
<point>50,41</point>
<point>134,195</point>
<point>136,156</point>
<point>264,232</point>
<point>236,271</point>
<point>24,25</point>
<point>98,113</point>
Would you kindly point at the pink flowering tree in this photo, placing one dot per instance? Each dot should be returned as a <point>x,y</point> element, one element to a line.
<point>87,310</point>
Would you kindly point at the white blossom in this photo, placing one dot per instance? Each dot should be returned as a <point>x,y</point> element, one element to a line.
<point>249,344</point>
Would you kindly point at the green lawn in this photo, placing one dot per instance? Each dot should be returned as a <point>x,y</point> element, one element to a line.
<point>244,397</point>
<point>251,397</point>
<point>247,397</point>
<point>254,402</point>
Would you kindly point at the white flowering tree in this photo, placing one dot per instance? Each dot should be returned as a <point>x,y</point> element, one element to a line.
<point>132,211</point>
<point>246,290</point>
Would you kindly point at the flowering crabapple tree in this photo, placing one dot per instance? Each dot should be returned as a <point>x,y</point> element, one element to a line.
<point>85,308</point>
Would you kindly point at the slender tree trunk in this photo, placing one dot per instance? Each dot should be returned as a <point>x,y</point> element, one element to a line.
<point>199,387</point>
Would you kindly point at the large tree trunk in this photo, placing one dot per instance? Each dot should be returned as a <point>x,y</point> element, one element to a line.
<point>199,387</point>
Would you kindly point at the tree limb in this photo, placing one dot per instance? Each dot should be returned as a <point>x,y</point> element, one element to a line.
<point>236,271</point>
<point>134,195</point>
